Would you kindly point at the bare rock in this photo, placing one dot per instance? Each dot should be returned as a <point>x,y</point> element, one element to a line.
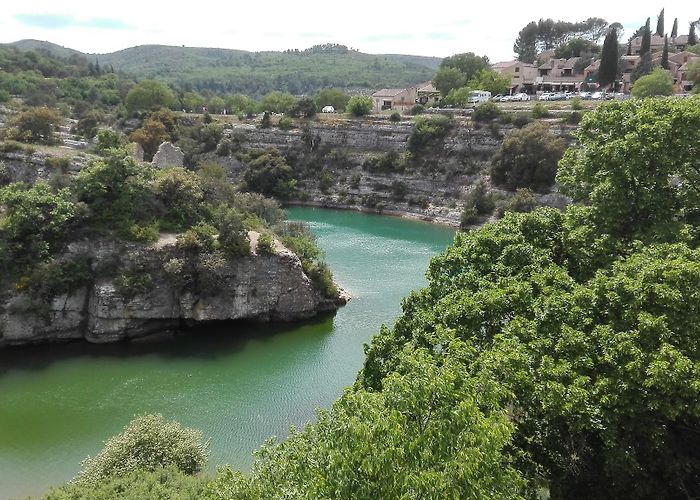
<point>168,155</point>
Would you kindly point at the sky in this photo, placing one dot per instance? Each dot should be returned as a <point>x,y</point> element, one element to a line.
<point>438,28</point>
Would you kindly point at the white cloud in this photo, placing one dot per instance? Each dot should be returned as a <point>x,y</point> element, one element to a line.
<point>440,28</point>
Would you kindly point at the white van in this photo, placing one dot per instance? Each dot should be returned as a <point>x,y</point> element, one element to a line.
<point>476,96</point>
<point>328,109</point>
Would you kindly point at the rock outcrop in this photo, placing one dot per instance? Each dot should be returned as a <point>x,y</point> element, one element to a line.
<point>134,290</point>
<point>168,155</point>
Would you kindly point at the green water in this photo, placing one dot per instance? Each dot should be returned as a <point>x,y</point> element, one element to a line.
<point>239,384</point>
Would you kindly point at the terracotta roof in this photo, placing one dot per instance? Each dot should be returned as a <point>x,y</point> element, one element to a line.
<point>387,92</point>
<point>570,63</point>
<point>428,88</point>
<point>504,64</point>
<point>680,40</point>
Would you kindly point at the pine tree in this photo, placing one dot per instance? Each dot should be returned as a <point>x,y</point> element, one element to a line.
<point>660,24</point>
<point>692,39</point>
<point>629,48</point>
<point>97,67</point>
<point>664,55</point>
<point>608,61</point>
<point>646,38</point>
<point>674,30</point>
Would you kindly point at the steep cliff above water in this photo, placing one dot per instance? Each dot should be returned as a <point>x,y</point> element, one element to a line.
<point>130,290</point>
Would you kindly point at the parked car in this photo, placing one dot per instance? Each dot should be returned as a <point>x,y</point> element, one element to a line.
<point>328,109</point>
<point>598,96</point>
<point>522,96</point>
<point>497,98</point>
<point>546,96</point>
<point>584,95</point>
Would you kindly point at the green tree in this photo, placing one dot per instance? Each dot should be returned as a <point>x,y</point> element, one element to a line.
<point>694,75</point>
<point>192,101</point>
<point>658,83</point>
<point>645,67</point>
<point>447,79</point>
<point>607,74</point>
<point>216,105</point>
<point>664,55</point>
<point>241,104</point>
<point>577,47</point>
<point>646,39</point>
<point>278,102</point>
<point>332,97</point>
<point>467,64</point>
<point>305,107</point>
<point>267,173</point>
<point>660,30</point>
<point>526,43</point>
<point>674,30</point>
<point>630,194</point>
<point>37,125</point>
<point>147,95</point>
<point>34,224</point>
<point>359,105</point>
<point>692,38</point>
<point>528,158</point>
<point>489,80</point>
<point>146,443</point>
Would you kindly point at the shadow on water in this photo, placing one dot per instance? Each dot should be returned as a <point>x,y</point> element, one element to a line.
<point>205,341</point>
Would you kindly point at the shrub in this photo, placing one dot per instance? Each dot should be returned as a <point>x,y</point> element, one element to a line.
<point>162,483</point>
<point>486,111</point>
<point>200,237</point>
<point>385,163</point>
<point>37,125</point>
<point>147,443</point>
<point>658,83</point>
<point>528,158</point>
<point>429,130</point>
<point>523,200</point>
<point>395,117</point>
<point>305,107</point>
<point>233,236</point>
<point>108,139</point>
<point>265,244</point>
<point>145,233</point>
<point>87,125</point>
<point>469,217</point>
<point>576,104</point>
<point>359,105</point>
<point>133,282</point>
<point>265,122</point>
<point>572,118</point>
<point>181,195</point>
<point>285,123</point>
<point>418,109</point>
<point>539,110</point>
<point>521,119</point>
<point>326,181</point>
<point>4,95</point>
<point>267,173</point>
<point>399,190</point>
<point>355,180</point>
<point>480,199</point>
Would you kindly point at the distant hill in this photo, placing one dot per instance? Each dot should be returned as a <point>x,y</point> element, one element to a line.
<point>256,73</point>
<point>42,46</point>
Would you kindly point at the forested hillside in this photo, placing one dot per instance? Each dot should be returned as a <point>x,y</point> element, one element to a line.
<point>256,73</point>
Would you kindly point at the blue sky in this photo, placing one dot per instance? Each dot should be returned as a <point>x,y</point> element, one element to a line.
<point>438,28</point>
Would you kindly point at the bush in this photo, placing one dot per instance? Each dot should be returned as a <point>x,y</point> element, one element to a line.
<point>528,158</point>
<point>285,123</point>
<point>658,83</point>
<point>398,190</point>
<point>539,110</point>
<point>480,199</point>
<point>133,282</point>
<point>577,104</point>
<point>265,244</point>
<point>265,122</point>
<point>199,238</point>
<point>429,130</point>
<point>468,217</point>
<point>359,105</point>
<point>486,111</point>
<point>305,107</point>
<point>267,173</point>
<point>385,163</point>
<point>233,236</point>
<point>395,117</point>
<point>355,180</point>
<point>162,483</point>
<point>418,109</point>
<point>4,95</point>
<point>326,181</point>
<point>521,119</point>
<point>181,195</point>
<point>108,139</point>
<point>572,118</point>
<point>147,443</point>
<point>37,125</point>
<point>523,200</point>
<point>145,233</point>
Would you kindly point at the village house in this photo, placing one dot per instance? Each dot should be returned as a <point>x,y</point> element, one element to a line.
<point>559,75</point>
<point>428,94</point>
<point>678,43</point>
<point>395,99</point>
<point>522,75</point>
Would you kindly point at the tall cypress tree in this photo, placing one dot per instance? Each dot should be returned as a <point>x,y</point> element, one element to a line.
<point>646,39</point>
<point>608,61</point>
<point>660,24</point>
<point>674,30</point>
<point>629,48</point>
<point>664,55</point>
<point>692,39</point>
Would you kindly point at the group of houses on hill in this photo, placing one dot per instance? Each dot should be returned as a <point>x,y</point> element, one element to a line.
<point>553,74</point>
<point>560,75</point>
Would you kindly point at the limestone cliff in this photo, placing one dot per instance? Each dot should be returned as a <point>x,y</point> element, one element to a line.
<point>133,290</point>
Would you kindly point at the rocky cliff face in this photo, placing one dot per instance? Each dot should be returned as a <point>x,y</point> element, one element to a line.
<point>134,290</point>
<point>433,186</point>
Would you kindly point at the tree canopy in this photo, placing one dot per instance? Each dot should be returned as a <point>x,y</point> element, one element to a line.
<point>149,94</point>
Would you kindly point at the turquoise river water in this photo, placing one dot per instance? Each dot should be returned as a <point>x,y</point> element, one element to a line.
<point>240,384</point>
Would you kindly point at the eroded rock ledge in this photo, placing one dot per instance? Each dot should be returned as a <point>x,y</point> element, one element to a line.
<point>169,287</point>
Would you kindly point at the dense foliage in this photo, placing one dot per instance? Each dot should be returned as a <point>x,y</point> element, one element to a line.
<point>527,158</point>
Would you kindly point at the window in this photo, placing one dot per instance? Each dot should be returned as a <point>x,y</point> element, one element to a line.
<point>517,69</point>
